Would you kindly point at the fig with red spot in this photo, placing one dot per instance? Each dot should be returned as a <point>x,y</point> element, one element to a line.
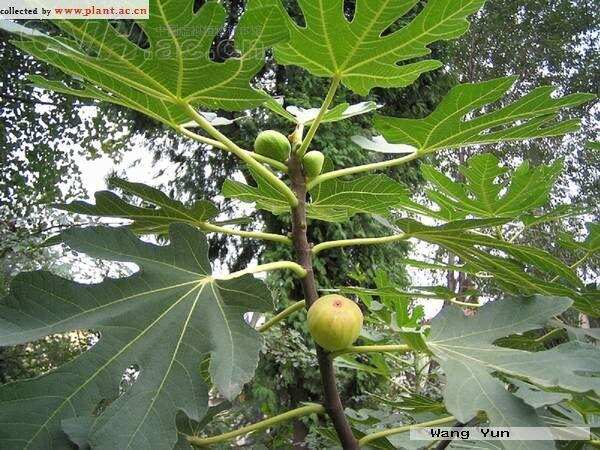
<point>334,322</point>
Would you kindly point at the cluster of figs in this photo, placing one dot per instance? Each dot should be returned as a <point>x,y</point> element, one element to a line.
<point>334,321</point>
<point>272,144</point>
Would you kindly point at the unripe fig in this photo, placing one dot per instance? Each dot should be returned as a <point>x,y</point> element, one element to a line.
<point>272,144</point>
<point>313,163</point>
<point>334,322</point>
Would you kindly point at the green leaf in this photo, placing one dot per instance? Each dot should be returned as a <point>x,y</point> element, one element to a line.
<point>145,220</point>
<point>560,212</point>
<point>464,347</point>
<point>336,201</point>
<point>187,427</point>
<point>176,67</point>
<point>424,292</point>
<point>449,126</point>
<point>348,362</point>
<point>590,245</point>
<point>165,319</point>
<point>509,272</point>
<point>354,50</point>
<point>530,340</point>
<point>436,266</point>
<point>331,201</point>
<point>78,429</point>
<point>414,403</point>
<point>264,195</point>
<point>485,194</point>
<point>536,397</point>
<point>580,334</point>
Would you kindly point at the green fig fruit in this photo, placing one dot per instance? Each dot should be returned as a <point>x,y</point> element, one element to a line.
<point>334,322</point>
<point>313,163</point>
<point>273,144</point>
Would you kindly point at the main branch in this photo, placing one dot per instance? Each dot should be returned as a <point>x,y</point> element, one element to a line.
<point>332,403</point>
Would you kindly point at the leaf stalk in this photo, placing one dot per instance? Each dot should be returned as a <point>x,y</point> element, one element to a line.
<point>281,316</point>
<point>294,267</point>
<point>381,434</point>
<point>204,140</point>
<point>361,241</point>
<point>212,228</point>
<point>362,168</point>
<point>267,423</point>
<point>400,348</point>
<point>314,126</point>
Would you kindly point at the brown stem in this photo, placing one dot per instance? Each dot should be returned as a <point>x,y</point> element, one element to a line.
<point>332,403</point>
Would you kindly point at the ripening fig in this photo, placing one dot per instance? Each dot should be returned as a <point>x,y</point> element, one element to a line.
<point>334,322</point>
<point>313,163</point>
<point>273,144</point>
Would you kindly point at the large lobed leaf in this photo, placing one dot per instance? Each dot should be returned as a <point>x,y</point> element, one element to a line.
<point>146,220</point>
<point>332,201</point>
<point>264,194</point>
<point>336,200</point>
<point>358,51</point>
<point>490,190</point>
<point>450,125</point>
<point>510,264</point>
<point>590,245</point>
<point>464,347</point>
<point>165,319</point>
<point>175,67</point>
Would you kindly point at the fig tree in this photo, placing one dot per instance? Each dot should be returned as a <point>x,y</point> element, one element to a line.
<point>313,163</point>
<point>334,322</point>
<point>273,144</point>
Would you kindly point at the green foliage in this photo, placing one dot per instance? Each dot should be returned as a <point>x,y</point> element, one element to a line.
<point>332,201</point>
<point>164,319</point>
<point>532,116</point>
<point>118,71</point>
<point>185,331</point>
<point>354,51</point>
<point>336,201</point>
<point>464,348</point>
<point>488,191</point>
<point>509,271</point>
<point>146,220</point>
<point>590,245</point>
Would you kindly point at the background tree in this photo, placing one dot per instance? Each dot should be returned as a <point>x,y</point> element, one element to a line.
<point>558,46</point>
